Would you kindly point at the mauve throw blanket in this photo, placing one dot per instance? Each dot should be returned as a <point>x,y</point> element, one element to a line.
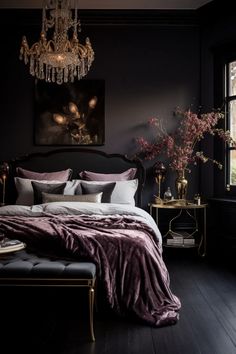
<point>126,252</point>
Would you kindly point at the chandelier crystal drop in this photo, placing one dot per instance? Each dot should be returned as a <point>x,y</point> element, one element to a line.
<point>60,58</point>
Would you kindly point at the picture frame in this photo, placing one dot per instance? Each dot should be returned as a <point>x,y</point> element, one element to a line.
<point>70,114</point>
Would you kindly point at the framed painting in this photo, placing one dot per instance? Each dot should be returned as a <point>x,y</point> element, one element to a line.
<point>70,114</point>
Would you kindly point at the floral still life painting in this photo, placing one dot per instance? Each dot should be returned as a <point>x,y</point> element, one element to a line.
<point>70,114</point>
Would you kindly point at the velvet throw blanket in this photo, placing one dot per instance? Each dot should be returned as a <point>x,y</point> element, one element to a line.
<point>126,252</point>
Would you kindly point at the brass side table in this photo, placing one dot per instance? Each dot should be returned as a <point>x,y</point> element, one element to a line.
<point>178,239</point>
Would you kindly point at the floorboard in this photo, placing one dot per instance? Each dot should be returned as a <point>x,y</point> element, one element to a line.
<point>207,324</point>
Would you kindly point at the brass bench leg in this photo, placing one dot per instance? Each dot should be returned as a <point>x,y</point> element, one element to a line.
<point>91,305</point>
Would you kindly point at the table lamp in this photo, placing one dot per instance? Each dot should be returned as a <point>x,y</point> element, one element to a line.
<point>4,170</point>
<point>159,172</point>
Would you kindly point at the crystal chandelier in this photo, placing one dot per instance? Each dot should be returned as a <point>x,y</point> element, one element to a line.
<point>60,58</point>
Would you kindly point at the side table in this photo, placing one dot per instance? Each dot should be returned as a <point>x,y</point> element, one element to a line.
<point>180,239</point>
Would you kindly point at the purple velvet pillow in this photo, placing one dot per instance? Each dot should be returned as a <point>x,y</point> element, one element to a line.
<point>123,176</point>
<point>61,176</point>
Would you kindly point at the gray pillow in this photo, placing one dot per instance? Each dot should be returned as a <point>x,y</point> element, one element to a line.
<point>38,188</point>
<point>123,193</point>
<point>106,190</point>
<point>90,198</point>
<point>25,192</point>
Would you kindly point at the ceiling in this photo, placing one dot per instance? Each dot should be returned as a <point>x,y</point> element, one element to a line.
<point>115,4</point>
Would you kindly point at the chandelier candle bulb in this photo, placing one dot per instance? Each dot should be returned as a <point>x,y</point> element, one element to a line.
<point>61,58</point>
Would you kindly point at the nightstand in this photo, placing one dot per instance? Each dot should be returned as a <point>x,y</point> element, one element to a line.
<point>194,236</point>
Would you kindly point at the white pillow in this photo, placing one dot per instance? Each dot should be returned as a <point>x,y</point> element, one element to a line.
<point>123,193</point>
<point>25,190</point>
<point>72,186</point>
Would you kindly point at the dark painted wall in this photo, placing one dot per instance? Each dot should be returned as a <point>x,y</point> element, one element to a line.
<point>148,70</point>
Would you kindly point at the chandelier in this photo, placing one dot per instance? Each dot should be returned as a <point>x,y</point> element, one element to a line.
<point>60,58</point>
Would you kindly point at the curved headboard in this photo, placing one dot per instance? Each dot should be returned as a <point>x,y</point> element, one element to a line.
<point>77,159</point>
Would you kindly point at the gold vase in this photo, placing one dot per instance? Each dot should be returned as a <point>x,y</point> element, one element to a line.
<point>181,185</point>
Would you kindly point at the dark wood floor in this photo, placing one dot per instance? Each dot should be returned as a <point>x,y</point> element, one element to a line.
<point>207,325</point>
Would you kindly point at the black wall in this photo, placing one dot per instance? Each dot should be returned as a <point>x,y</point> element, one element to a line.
<point>150,64</point>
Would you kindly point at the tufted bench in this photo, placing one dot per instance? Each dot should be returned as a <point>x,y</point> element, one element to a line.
<point>27,269</point>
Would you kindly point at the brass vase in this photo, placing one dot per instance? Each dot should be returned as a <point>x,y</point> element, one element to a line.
<point>181,185</point>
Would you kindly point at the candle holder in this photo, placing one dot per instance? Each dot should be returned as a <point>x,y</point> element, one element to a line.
<point>159,172</point>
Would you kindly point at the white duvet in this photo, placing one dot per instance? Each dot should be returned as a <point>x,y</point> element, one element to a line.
<point>80,208</point>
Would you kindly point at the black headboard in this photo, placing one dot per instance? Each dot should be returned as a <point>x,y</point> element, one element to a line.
<point>77,159</point>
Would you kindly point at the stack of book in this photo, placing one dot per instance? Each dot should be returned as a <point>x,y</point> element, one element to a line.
<point>180,239</point>
<point>8,245</point>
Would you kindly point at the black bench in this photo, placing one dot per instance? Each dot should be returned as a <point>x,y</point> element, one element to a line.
<point>22,268</point>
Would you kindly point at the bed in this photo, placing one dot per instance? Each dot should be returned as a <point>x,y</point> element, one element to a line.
<point>92,217</point>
